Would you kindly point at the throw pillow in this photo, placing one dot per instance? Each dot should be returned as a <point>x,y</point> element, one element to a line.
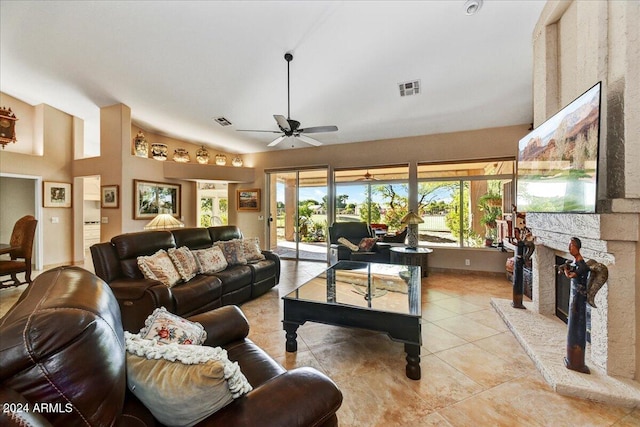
<point>251,248</point>
<point>366,244</point>
<point>167,328</point>
<point>184,261</point>
<point>347,243</point>
<point>211,260</point>
<point>159,267</point>
<point>233,251</point>
<point>182,385</point>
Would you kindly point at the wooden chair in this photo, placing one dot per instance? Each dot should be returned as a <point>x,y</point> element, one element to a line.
<point>22,238</point>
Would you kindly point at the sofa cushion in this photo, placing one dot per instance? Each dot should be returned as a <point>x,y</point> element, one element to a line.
<point>184,261</point>
<point>234,277</point>
<point>233,251</point>
<point>182,385</point>
<point>210,260</point>
<point>159,267</point>
<point>167,328</point>
<point>198,292</point>
<point>194,238</point>
<point>251,247</point>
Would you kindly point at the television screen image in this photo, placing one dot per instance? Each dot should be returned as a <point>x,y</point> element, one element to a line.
<point>558,161</point>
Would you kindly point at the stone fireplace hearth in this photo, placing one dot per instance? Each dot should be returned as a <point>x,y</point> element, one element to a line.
<point>609,239</point>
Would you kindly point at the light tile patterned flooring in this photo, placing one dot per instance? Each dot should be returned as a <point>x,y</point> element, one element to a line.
<point>474,372</point>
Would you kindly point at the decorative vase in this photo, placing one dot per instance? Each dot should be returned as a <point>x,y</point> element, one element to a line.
<point>159,151</point>
<point>181,155</point>
<point>237,161</point>
<point>221,159</point>
<point>202,156</point>
<point>412,236</point>
<point>141,146</point>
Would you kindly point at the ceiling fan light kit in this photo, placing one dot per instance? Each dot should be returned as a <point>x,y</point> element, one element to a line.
<point>288,126</point>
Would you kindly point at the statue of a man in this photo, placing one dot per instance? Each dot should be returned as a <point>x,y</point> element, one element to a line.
<point>578,272</point>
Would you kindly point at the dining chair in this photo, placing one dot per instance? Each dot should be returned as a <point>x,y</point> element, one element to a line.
<point>22,238</point>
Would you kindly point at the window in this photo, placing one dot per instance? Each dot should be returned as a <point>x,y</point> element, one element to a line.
<point>461,203</point>
<point>376,195</point>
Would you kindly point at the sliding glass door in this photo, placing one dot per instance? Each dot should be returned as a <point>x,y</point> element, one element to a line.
<point>298,213</point>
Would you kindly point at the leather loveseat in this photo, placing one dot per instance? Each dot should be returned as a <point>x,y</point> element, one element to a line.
<point>115,262</point>
<point>354,232</point>
<point>63,363</point>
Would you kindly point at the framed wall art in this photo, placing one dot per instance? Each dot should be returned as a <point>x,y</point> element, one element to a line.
<point>248,200</point>
<point>109,196</point>
<point>152,198</point>
<point>56,194</point>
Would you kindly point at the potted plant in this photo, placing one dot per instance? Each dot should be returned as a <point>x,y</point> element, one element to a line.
<point>490,206</point>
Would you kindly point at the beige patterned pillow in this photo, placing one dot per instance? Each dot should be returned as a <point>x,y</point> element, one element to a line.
<point>167,328</point>
<point>159,267</point>
<point>251,247</point>
<point>233,251</point>
<point>184,261</point>
<point>210,260</point>
<point>348,244</point>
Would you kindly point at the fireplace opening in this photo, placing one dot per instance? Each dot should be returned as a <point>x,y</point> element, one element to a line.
<point>563,294</point>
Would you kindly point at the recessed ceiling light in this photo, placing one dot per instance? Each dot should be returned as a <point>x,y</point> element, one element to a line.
<point>471,7</point>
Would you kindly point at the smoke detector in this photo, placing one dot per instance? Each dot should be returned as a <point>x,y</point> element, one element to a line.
<point>471,7</point>
<point>409,88</point>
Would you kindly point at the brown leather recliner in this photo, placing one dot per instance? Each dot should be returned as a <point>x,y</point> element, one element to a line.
<point>62,362</point>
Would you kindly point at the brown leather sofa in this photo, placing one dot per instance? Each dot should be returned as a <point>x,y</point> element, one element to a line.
<point>62,362</point>
<point>115,262</point>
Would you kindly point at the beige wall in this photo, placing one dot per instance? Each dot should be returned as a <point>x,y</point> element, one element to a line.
<point>55,129</point>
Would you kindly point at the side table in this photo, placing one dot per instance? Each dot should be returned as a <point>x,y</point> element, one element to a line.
<point>409,256</point>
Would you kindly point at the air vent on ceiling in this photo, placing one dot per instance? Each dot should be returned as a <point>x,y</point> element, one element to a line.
<point>409,88</point>
<point>222,121</point>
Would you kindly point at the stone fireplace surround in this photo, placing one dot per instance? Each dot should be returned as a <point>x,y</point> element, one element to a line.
<point>611,239</point>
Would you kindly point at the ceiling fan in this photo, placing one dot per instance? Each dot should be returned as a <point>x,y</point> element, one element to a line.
<point>288,126</point>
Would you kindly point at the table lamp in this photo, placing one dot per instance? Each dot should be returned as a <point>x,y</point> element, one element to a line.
<point>411,220</point>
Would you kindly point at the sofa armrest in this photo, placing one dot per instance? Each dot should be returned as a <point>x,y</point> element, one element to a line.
<point>223,325</point>
<point>300,397</point>
<point>275,258</point>
<point>138,298</point>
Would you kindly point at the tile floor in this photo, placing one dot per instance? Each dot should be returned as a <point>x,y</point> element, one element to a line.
<point>474,372</point>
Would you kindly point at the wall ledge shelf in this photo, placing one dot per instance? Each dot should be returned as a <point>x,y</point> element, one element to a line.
<point>194,171</point>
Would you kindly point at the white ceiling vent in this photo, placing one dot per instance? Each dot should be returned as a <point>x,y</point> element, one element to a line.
<point>222,121</point>
<point>409,88</point>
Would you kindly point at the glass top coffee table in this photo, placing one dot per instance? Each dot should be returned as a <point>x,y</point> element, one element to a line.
<point>378,297</point>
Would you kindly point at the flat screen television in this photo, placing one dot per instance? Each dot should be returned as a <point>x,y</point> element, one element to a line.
<point>557,165</point>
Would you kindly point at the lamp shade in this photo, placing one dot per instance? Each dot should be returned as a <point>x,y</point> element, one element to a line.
<point>162,222</point>
<point>411,218</point>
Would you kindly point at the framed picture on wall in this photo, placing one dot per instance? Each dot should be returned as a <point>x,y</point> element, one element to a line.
<point>152,198</point>
<point>109,196</point>
<point>56,194</point>
<point>248,200</point>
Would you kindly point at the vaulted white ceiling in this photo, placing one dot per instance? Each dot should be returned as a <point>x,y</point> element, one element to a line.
<point>179,64</point>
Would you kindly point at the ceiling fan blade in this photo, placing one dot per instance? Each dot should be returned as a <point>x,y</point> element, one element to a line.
<point>309,140</point>
<point>276,141</point>
<point>319,129</point>
<point>282,122</point>
<point>253,130</point>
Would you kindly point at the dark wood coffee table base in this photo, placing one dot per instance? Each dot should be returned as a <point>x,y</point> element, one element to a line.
<point>399,327</point>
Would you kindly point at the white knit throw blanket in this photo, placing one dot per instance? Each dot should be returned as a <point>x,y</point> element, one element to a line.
<point>190,355</point>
